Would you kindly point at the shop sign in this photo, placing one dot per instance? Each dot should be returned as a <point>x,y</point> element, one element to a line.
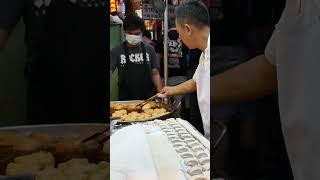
<point>149,12</point>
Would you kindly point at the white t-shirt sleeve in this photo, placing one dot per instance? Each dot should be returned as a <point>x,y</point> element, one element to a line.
<point>195,75</point>
<point>270,51</point>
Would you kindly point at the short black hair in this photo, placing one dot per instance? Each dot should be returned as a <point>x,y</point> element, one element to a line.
<point>133,22</point>
<point>194,12</point>
<point>147,34</point>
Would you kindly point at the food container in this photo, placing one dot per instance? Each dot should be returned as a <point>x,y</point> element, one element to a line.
<point>59,131</point>
<point>171,107</point>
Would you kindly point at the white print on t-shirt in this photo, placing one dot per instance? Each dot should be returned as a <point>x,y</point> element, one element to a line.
<point>136,58</point>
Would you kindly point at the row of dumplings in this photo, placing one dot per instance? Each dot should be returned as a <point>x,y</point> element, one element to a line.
<point>194,155</point>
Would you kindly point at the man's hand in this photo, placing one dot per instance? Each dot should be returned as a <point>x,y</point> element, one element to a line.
<point>183,88</point>
<point>166,92</point>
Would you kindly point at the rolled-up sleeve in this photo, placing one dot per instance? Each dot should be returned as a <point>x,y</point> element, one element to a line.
<point>195,75</point>
<point>270,51</point>
<point>10,13</point>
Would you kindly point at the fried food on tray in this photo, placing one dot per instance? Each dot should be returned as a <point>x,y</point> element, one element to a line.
<point>119,113</point>
<point>31,163</point>
<point>148,111</point>
<point>76,169</point>
<point>14,169</point>
<point>132,112</point>
<point>50,174</point>
<point>117,106</point>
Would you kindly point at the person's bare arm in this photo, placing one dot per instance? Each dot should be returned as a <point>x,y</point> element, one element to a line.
<point>247,81</point>
<point>156,79</point>
<point>4,35</point>
<point>183,88</point>
<point>186,87</point>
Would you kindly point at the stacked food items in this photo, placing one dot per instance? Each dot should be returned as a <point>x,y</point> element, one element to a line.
<point>133,112</point>
<point>43,156</point>
<point>193,148</point>
<point>42,166</point>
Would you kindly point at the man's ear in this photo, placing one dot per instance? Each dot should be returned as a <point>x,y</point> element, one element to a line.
<point>188,27</point>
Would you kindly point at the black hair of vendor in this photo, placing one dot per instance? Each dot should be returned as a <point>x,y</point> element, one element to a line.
<point>194,12</point>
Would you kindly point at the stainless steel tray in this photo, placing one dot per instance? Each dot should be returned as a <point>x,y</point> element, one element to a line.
<point>171,107</point>
<point>58,130</point>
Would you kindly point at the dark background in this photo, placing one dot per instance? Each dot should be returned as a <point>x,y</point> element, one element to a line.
<point>253,147</point>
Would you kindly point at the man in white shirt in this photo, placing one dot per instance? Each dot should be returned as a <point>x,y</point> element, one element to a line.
<point>291,65</point>
<point>193,26</point>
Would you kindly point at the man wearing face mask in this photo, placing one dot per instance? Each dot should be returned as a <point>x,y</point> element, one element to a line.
<point>192,23</point>
<point>139,76</point>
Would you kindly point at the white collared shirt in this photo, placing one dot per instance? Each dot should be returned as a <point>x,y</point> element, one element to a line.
<point>202,78</point>
<point>294,50</point>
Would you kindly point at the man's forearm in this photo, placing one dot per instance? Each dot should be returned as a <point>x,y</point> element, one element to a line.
<point>185,88</point>
<point>4,35</point>
<point>156,80</point>
<point>247,81</point>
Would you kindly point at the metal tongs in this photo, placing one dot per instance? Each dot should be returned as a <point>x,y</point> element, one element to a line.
<point>141,104</point>
<point>223,132</point>
<point>104,131</point>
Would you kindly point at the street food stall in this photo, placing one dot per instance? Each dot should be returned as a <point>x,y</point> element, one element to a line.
<point>149,140</point>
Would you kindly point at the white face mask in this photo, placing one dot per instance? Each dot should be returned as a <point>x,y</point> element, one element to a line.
<point>133,39</point>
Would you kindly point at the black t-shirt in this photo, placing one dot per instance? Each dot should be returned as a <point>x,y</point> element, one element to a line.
<point>135,71</point>
<point>118,57</point>
<point>67,52</point>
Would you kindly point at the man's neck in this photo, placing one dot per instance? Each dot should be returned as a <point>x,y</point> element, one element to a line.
<point>133,46</point>
<point>203,40</point>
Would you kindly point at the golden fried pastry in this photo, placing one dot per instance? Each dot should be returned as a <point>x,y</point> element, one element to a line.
<point>43,159</point>
<point>117,106</point>
<point>153,104</point>
<point>26,145</point>
<point>119,113</point>
<point>14,169</point>
<point>72,162</point>
<point>146,106</point>
<point>80,167</point>
<point>50,174</point>
<point>148,111</point>
<point>100,175</point>
<point>31,163</point>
